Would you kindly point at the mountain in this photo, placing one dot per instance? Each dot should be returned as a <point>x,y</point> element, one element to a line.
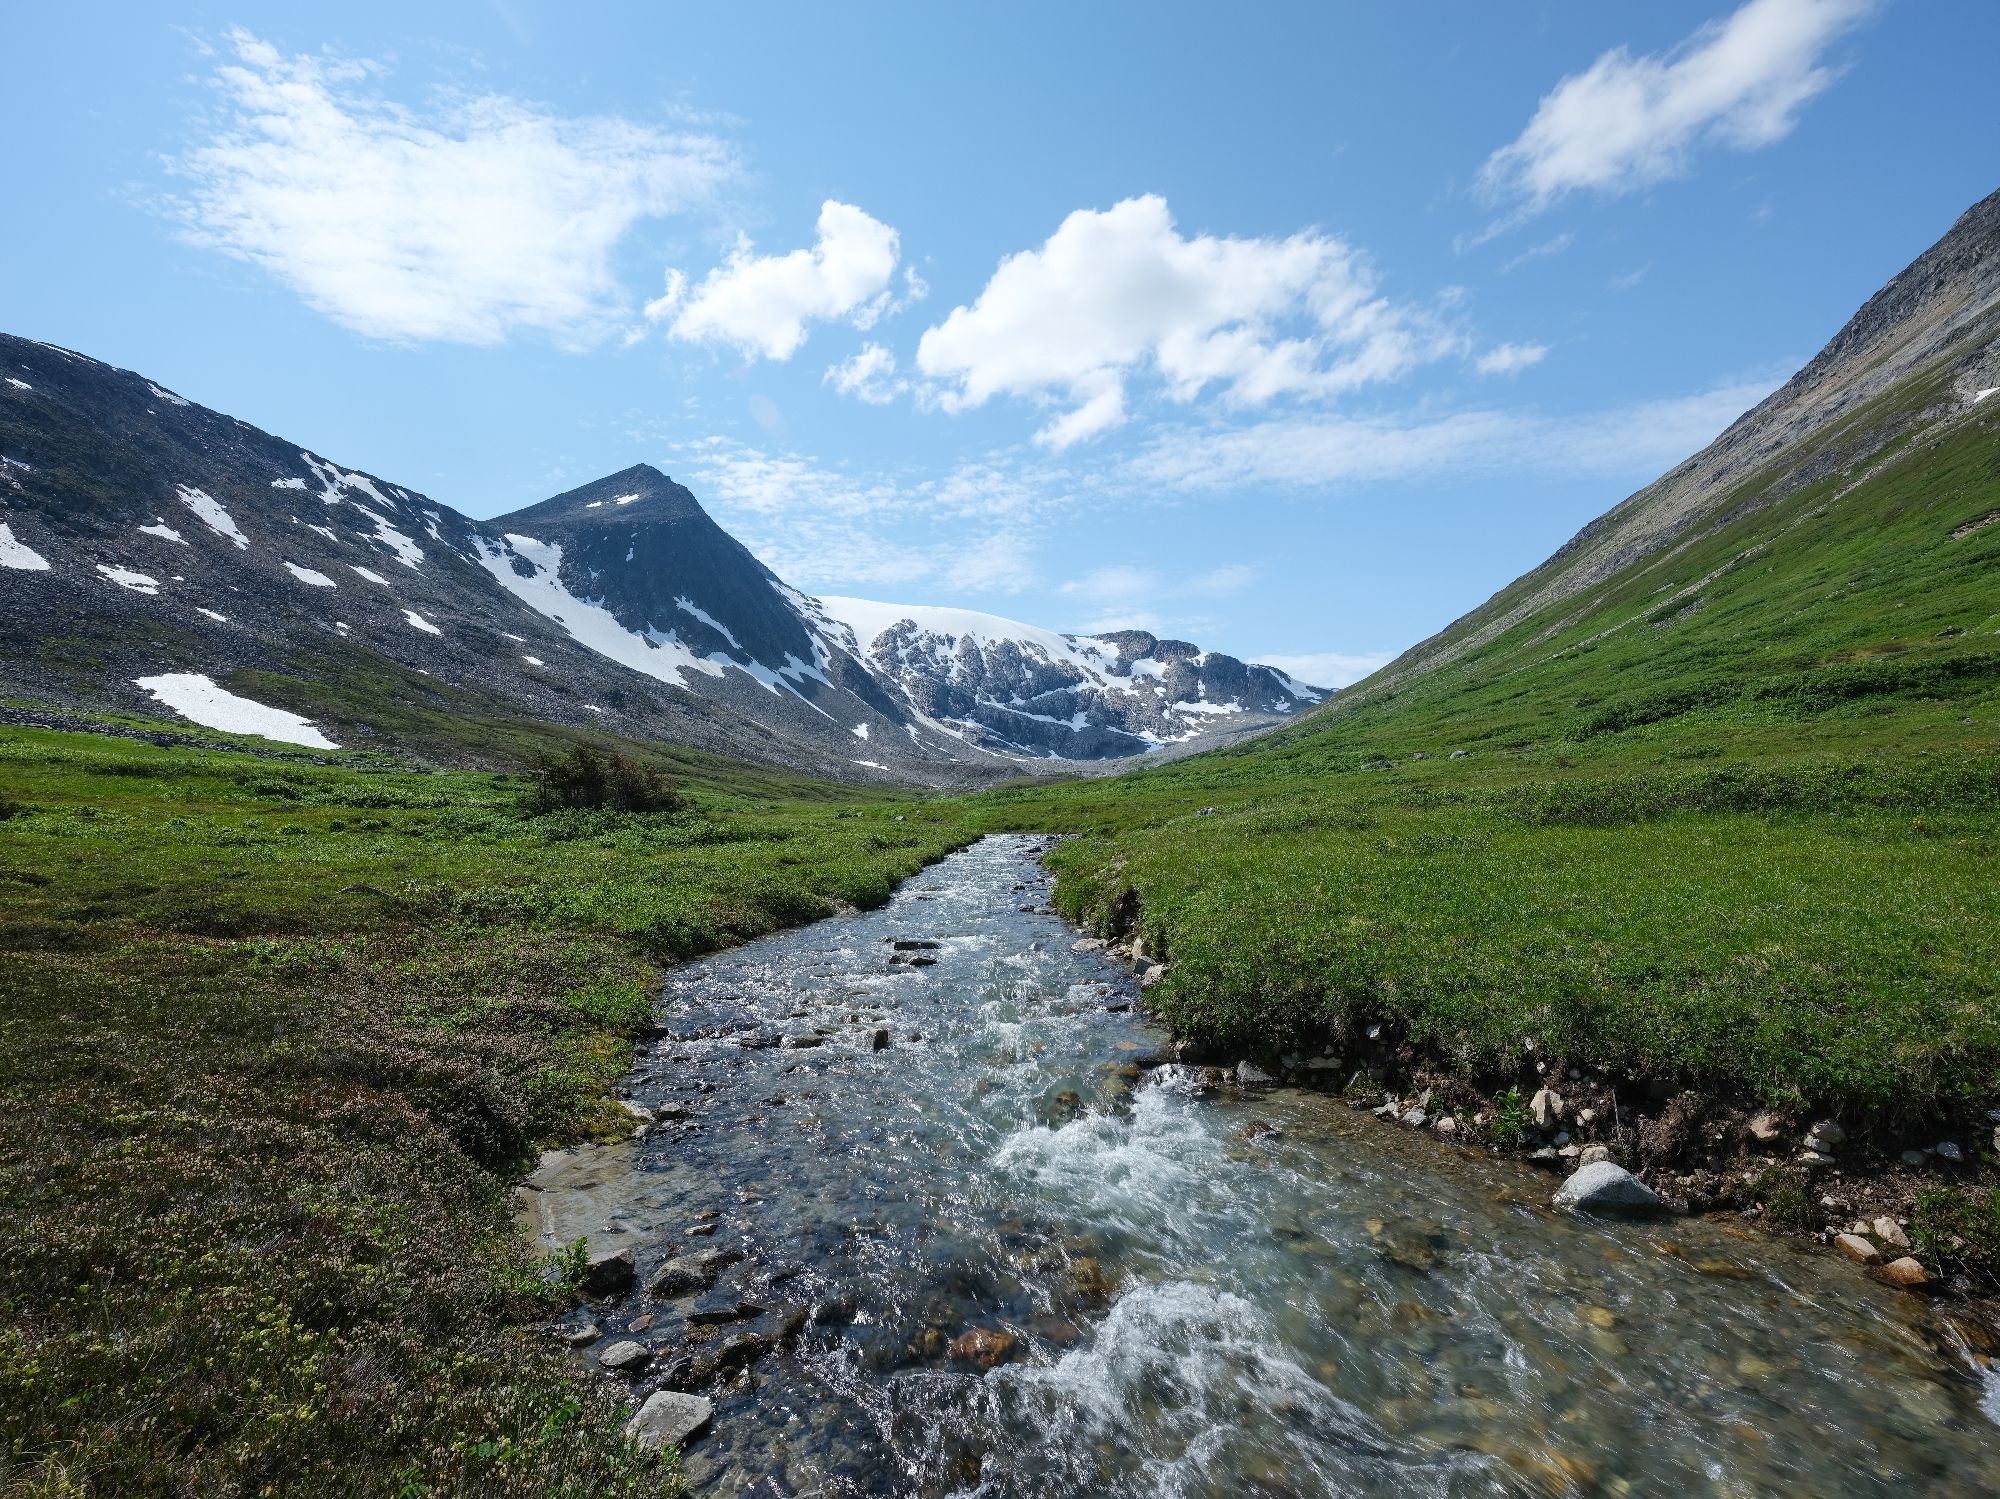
<point>155,552</point>
<point>1911,365</point>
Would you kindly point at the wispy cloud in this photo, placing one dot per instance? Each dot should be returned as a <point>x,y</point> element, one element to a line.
<point>1325,452</point>
<point>1119,292</point>
<point>1510,359</point>
<point>463,221</point>
<point>1552,246</point>
<point>760,305</point>
<point>1325,668</point>
<point>1627,122</point>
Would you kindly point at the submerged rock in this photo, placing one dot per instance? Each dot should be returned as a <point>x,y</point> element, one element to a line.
<point>626,1356</point>
<point>609,1272</point>
<point>983,1346</point>
<point>668,1419</point>
<point>1603,1187</point>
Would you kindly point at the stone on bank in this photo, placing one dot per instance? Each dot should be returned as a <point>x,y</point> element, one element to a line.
<point>1603,1187</point>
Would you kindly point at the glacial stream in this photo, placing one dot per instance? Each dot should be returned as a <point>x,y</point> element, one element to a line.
<point>994,1258</point>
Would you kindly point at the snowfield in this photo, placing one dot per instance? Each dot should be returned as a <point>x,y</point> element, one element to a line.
<point>211,514</point>
<point>18,554</point>
<point>198,699</point>
<point>124,577</point>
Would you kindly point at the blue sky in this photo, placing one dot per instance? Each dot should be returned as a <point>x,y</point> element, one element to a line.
<point>1295,331</point>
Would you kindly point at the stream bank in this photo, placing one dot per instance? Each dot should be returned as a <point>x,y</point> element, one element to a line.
<point>913,1218</point>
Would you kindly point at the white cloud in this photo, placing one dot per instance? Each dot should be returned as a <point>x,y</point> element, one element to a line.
<point>1117,292</point>
<point>868,376</point>
<point>1126,597</point>
<point>1552,246</point>
<point>465,222</point>
<point>1328,452</point>
<point>1510,359</point>
<point>760,304</point>
<point>1628,122</point>
<point>1325,668</point>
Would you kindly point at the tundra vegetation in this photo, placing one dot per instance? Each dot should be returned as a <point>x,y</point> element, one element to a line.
<point>280,1028</point>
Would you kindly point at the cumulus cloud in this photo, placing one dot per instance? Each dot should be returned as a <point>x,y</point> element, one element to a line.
<point>1324,452</point>
<point>1628,122</point>
<point>462,222</point>
<point>868,376</point>
<point>1510,359</point>
<point>1121,291</point>
<point>760,304</point>
<point>1326,668</point>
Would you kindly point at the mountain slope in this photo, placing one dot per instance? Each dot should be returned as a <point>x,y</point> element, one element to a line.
<point>154,552</point>
<point>1710,801</point>
<point>1917,356</point>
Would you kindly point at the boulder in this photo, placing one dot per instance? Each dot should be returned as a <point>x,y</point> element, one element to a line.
<point>1087,944</point>
<point>1905,1272</point>
<point>1857,1248</point>
<point>1545,1108</point>
<point>1152,975</point>
<point>609,1272</point>
<point>691,1272</point>
<point>800,1040</point>
<point>1416,1119</point>
<point>1766,1127</point>
<point>1948,1150</point>
<point>1606,1188</point>
<point>627,1357</point>
<point>668,1419</point>
<point>1250,1075</point>
<point>1913,1158</point>
<point>1824,1135</point>
<point>914,944</point>
<point>1447,1126</point>
<point>1890,1232</point>
<point>878,1039</point>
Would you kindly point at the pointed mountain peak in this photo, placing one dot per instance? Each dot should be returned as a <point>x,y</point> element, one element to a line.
<point>640,492</point>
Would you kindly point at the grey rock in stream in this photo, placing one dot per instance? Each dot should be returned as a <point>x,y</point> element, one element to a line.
<point>691,1272</point>
<point>625,1355</point>
<point>608,1273</point>
<point>1602,1187</point>
<point>668,1419</point>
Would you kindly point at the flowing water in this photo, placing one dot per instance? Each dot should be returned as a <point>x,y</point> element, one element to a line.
<point>1239,1293</point>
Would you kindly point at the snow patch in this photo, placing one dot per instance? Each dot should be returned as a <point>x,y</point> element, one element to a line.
<point>534,661</point>
<point>371,576</point>
<point>859,731</point>
<point>418,622</point>
<point>198,699</point>
<point>19,384</point>
<point>124,577</point>
<point>18,554</point>
<point>872,764</point>
<point>165,395</point>
<point>1980,395</point>
<point>210,513</point>
<point>624,499</point>
<point>689,606</point>
<point>160,528</point>
<point>210,613</point>
<point>307,575</point>
<point>288,484</point>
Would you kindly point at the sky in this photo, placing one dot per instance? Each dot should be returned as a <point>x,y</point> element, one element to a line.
<point>1295,331</point>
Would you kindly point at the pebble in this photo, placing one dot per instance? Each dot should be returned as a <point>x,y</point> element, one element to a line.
<point>1948,1150</point>
<point>1913,1158</point>
<point>1765,1127</point>
<point>1592,1154</point>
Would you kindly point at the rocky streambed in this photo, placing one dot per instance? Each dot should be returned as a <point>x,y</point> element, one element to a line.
<point>914,1214</point>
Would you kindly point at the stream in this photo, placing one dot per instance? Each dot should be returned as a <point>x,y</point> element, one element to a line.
<point>995,1258</point>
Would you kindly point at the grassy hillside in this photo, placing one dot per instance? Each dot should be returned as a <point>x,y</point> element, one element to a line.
<point>1728,821</point>
<point>276,1036</point>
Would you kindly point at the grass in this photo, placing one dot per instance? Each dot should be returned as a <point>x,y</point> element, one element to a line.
<point>1728,820</point>
<point>277,1035</point>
